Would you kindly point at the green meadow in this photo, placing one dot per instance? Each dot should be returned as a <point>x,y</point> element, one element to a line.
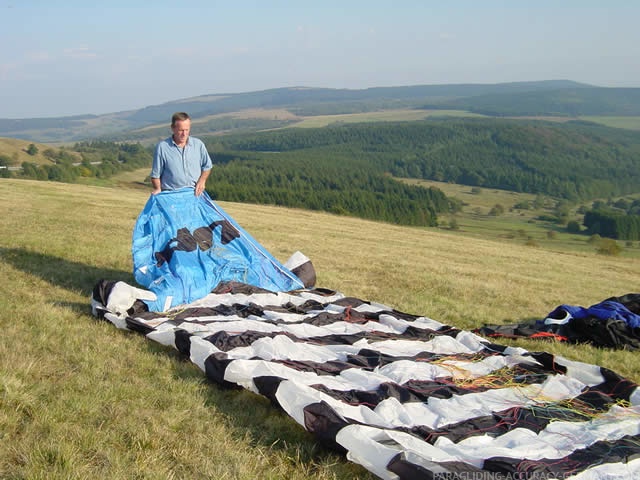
<point>628,122</point>
<point>515,225</point>
<point>82,399</point>
<point>400,115</point>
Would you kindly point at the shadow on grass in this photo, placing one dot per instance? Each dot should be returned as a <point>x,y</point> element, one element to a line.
<point>248,414</point>
<point>61,272</point>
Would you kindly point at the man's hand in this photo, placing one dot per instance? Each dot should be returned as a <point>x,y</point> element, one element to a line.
<point>202,181</point>
<point>199,188</point>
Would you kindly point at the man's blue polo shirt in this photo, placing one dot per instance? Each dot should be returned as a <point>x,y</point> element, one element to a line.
<point>178,167</point>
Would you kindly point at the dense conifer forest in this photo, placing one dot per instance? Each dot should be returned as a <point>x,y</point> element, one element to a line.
<point>620,220</point>
<point>574,161</point>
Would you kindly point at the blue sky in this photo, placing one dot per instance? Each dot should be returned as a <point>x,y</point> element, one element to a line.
<point>74,58</point>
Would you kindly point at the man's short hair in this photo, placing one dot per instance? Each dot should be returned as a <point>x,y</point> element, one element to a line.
<point>179,117</point>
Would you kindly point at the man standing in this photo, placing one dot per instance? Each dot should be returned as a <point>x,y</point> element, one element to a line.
<point>180,160</point>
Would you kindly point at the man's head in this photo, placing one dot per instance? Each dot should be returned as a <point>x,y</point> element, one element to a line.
<point>180,126</point>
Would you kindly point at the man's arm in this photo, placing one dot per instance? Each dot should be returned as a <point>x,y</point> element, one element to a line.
<point>200,184</point>
<point>156,171</point>
<point>157,186</point>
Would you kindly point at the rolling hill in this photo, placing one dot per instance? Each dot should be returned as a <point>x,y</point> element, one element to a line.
<point>14,152</point>
<point>570,102</point>
<point>259,110</point>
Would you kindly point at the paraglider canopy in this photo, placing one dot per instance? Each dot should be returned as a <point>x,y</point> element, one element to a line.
<point>185,245</point>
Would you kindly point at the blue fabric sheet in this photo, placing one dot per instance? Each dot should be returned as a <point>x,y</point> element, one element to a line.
<point>184,246</point>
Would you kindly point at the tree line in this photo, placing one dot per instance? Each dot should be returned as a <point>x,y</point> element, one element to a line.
<point>318,182</point>
<point>620,219</point>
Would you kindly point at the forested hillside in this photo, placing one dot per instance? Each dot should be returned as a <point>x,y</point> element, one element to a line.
<point>351,169</point>
<point>322,181</point>
<point>572,161</point>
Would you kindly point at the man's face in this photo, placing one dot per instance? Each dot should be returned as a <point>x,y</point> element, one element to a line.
<point>181,131</point>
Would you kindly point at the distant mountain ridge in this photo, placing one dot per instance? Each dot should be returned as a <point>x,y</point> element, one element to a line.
<point>571,102</point>
<point>549,97</point>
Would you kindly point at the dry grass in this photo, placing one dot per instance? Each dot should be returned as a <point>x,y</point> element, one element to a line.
<point>81,399</point>
<point>399,115</point>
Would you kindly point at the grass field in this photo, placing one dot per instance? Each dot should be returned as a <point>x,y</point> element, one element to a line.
<point>630,123</point>
<point>405,115</point>
<point>515,226</point>
<point>401,115</point>
<point>81,399</point>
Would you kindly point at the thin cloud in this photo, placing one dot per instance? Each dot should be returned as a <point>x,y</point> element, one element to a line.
<point>6,69</point>
<point>217,52</point>
<point>79,53</point>
<point>38,57</point>
<point>240,50</point>
<point>184,51</point>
